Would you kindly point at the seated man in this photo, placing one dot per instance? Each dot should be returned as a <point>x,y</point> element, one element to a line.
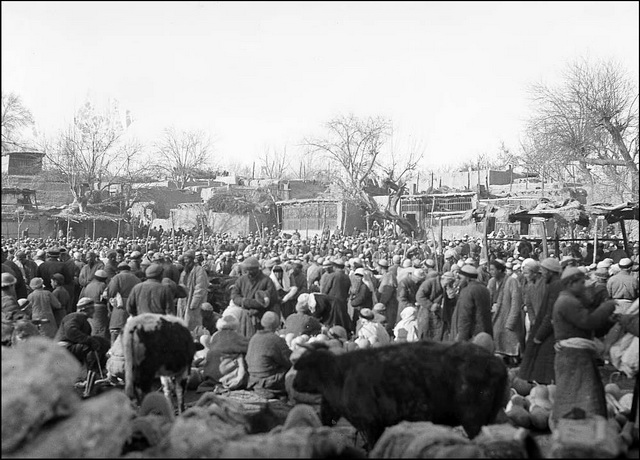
<point>74,334</point>
<point>268,358</point>
<point>301,322</point>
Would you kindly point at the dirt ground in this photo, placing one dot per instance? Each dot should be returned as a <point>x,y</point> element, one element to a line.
<point>543,439</point>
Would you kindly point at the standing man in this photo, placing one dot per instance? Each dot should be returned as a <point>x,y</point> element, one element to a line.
<point>118,292</point>
<point>623,285</point>
<point>387,293</point>
<point>506,298</point>
<point>338,285</point>
<point>431,322</point>
<point>27,267</point>
<point>150,296</point>
<point>54,265</point>
<point>255,293</point>
<point>95,291</point>
<point>298,285</point>
<point>472,313</point>
<point>90,268</point>
<point>195,281</point>
<point>407,290</point>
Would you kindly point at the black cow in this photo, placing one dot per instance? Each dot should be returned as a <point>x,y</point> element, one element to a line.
<point>445,383</point>
<point>157,346</point>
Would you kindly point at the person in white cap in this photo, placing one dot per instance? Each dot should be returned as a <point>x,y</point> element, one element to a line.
<point>623,285</point>
<point>360,296</point>
<point>538,360</point>
<point>368,328</point>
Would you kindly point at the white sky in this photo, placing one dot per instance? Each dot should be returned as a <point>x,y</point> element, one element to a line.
<point>452,75</point>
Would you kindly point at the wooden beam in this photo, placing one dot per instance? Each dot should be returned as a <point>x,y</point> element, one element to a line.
<point>545,247</point>
<point>624,237</point>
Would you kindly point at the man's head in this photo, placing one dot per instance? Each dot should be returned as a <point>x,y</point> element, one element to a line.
<point>57,279</point>
<point>270,321</point>
<point>549,267</point>
<point>189,258</point>
<point>251,267</point>
<point>86,306</point>
<point>467,272</point>
<point>625,263</point>
<point>497,268</point>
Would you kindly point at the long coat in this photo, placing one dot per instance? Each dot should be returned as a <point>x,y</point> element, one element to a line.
<point>430,323</point>
<point>508,324</point>
<point>43,303</point>
<point>196,283</point>
<point>121,284</point>
<point>472,314</point>
<point>538,360</point>
<point>100,320</point>
<point>387,296</point>
<point>243,294</point>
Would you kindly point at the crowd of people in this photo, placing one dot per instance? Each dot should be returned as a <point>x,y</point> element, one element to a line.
<point>547,315</point>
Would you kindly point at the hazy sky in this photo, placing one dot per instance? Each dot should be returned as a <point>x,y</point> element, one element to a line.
<point>453,76</point>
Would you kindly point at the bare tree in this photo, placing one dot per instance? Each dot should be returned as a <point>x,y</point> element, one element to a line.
<point>355,146</point>
<point>589,122</point>
<point>274,164</point>
<point>90,152</point>
<point>396,170</point>
<point>14,118</point>
<point>182,153</point>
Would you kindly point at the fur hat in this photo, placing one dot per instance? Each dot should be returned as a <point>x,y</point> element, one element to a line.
<point>469,271</point>
<point>383,263</point>
<point>36,283</point>
<point>251,262</point>
<point>625,263</point>
<point>8,280</point>
<point>85,302</point>
<point>571,271</point>
<point>367,313</point>
<point>485,341</point>
<point>270,321</point>
<point>153,271</point>
<point>552,264</point>
<point>228,323</point>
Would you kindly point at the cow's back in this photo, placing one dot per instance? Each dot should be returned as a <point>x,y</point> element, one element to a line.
<point>445,383</point>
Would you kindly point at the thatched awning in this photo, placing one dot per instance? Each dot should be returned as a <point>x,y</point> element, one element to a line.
<point>569,212</point>
<point>84,216</point>
<point>613,214</point>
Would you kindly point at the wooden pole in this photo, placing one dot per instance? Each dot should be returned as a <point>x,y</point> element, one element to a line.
<point>441,249</point>
<point>545,247</point>
<point>94,229</point>
<point>624,237</point>
<point>68,225</point>
<point>595,241</point>
<point>484,253</point>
